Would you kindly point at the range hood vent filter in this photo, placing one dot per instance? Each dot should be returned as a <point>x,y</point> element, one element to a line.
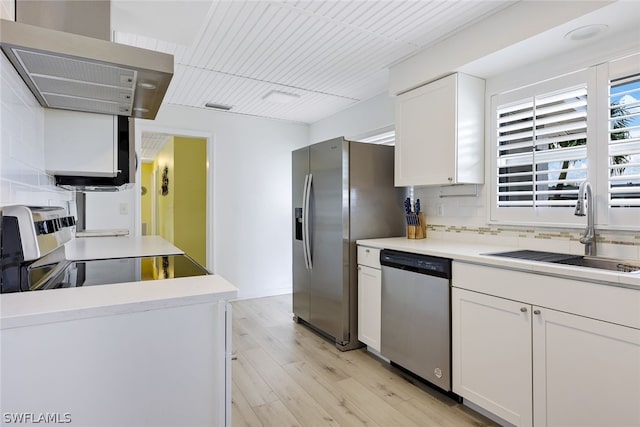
<point>84,104</point>
<point>73,84</point>
<point>81,90</point>
<point>75,72</point>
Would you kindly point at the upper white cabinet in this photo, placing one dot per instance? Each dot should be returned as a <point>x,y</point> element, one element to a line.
<point>440,133</point>
<point>80,143</point>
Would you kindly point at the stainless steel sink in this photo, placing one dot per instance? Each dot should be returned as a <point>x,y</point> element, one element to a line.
<point>535,255</point>
<point>601,263</point>
<point>576,260</point>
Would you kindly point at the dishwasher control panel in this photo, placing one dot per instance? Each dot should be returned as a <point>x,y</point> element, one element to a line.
<point>418,263</point>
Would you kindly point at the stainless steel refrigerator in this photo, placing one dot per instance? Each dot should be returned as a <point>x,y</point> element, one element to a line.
<point>342,191</point>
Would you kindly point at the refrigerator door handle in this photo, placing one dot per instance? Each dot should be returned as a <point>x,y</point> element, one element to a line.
<point>305,215</point>
<point>304,222</point>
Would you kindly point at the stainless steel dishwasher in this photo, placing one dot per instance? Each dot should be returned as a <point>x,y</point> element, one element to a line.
<point>416,320</point>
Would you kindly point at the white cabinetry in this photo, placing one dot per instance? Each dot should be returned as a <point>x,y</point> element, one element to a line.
<point>491,340</point>
<point>82,144</point>
<point>121,366</point>
<point>369,296</point>
<point>440,133</point>
<point>533,365</point>
<point>585,372</point>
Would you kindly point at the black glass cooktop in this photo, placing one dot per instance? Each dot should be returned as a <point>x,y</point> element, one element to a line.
<point>109,271</point>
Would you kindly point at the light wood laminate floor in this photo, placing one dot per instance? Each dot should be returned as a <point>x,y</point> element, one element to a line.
<point>286,375</point>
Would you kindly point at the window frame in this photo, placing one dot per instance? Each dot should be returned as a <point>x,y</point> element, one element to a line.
<point>538,215</point>
<point>597,78</point>
<point>606,217</point>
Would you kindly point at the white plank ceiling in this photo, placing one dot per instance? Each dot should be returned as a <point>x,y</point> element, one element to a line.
<point>330,54</point>
<point>152,143</point>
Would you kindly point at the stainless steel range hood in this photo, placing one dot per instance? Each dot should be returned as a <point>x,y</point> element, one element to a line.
<point>75,72</point>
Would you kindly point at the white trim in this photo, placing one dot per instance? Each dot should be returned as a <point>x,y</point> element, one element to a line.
<point>601,150</point>
<point>609,71</point>
<point>539,216</point>
<point>625,66</point>
<point>597,77</point>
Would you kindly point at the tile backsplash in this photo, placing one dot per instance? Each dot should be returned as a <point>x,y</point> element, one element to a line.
<point>609,243</point>
<point>23,179</point>
<point>461,215</point>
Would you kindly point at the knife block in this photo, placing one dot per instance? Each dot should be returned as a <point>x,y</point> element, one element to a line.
<point>417,231</point>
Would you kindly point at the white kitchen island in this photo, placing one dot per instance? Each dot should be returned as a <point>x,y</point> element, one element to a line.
<point>129,354</point>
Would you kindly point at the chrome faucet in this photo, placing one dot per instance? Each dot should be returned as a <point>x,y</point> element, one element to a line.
<point>589,236</point>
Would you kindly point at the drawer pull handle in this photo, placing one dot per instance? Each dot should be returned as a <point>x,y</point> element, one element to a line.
<point>523,309</point>
<point>367,250</point>
<point>536,311</point>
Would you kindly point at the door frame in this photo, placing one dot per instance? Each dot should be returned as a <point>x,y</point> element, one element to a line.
<point>140,128</point>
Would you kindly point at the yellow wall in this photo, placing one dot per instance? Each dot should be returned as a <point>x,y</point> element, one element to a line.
<point>146,173</point>
<point>190,226</point>
<point>165,214</point>
<point>181,214</point>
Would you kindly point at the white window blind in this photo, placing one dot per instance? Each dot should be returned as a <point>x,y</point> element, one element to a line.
<point>624,143</point>
<point>542,149</point>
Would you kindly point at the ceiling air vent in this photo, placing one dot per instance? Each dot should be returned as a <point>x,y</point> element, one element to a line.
<point>218,106</point>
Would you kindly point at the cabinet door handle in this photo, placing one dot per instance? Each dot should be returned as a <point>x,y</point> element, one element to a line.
<point>367,250</point>
<point>523,309</point>
<point>359,268</point>
<point>536,311</point>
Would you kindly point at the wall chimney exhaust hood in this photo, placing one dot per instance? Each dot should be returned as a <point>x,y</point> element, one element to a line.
<point>74,72</point>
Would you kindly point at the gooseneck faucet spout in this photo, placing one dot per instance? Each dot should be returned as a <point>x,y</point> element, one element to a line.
<point>585,194</point>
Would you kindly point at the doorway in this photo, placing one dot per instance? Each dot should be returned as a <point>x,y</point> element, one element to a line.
<point>174,189</point>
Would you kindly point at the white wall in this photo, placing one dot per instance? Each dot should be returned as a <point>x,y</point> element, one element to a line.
<point>111,210</point>
<point>251,174</point>
<point>512,25</point>
<point>23,179</point>
<point>366,116</point>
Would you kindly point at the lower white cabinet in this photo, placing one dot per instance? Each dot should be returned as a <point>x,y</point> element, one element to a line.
<point>532,365</point>
<point>369,305</point>
<point>585,372</point>
<point>491,343</point>
<point>166,364</point>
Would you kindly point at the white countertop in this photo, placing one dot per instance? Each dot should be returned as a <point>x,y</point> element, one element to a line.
<point>477,253</point>
<point>56,305</point>
<point>85,248</point>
